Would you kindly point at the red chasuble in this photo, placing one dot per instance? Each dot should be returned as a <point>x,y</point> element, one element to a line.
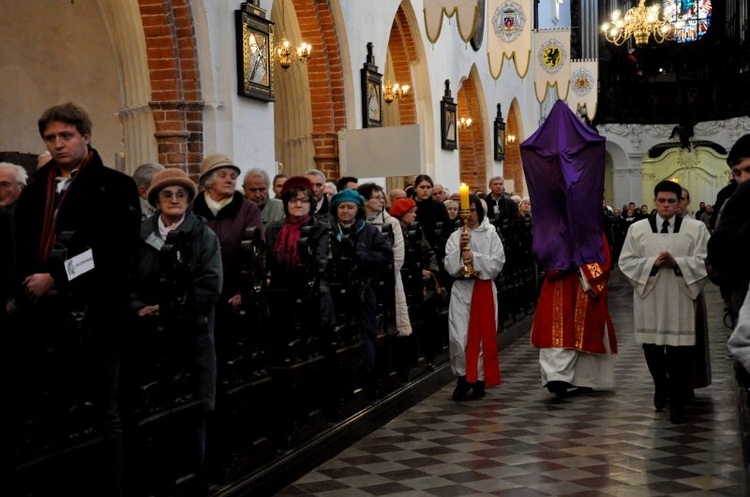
<point>569,316</point>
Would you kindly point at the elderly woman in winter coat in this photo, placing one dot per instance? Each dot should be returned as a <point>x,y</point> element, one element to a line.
<point>472,314</point>
<point>228,214</point>
<point>421,272</point>
<point>284,260</point>
<point>370,253</point>
<point>181,295</point>
<point>375,213</point>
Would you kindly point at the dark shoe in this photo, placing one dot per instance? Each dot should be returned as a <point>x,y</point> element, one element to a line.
<point>690,398</point>
<point>677,416</point>
<point>582,390</point>
<point>462,388</point>
<point>559,388</point>
<point>477,392</point>
<point>660,401</point>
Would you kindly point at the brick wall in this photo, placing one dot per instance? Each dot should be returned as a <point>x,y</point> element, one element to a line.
<point>176,99</point>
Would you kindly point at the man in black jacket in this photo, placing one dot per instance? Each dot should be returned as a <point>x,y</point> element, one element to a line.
<point>500,206</point>
<point>77,228</point>
<point>731,238</point>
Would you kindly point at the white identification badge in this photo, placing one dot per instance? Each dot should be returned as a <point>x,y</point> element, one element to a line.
<point>80,264</point>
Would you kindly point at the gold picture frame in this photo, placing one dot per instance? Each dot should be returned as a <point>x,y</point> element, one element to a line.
<point>255,39</point>
<point>372,92</point>
<point>448,130</point>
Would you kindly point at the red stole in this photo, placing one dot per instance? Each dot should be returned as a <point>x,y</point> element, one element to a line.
<point>482,334</point>
<point>49,228</point>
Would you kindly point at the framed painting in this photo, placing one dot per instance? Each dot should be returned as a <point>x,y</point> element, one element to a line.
<point>255,68</point>
<point>448,137</point>
<point>372,92</point>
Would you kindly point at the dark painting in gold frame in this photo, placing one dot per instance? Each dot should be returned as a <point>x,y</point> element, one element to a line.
<point>255,68</point>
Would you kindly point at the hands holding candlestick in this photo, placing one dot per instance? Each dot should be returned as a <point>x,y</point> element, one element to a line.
<point>466,253</point>
<point>466,256</point>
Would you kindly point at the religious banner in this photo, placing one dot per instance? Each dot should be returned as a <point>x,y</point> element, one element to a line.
<point>509,35</point>
<point>582,97</point>
<point>552,57</point>
<point>466,12</point>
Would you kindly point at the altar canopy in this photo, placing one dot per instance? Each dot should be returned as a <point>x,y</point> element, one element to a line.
<point>564,166</point>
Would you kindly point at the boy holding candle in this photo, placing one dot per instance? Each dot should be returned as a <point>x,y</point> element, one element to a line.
<point>472,316</point>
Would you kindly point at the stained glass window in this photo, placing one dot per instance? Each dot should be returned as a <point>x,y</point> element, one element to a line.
<point>690,18</point>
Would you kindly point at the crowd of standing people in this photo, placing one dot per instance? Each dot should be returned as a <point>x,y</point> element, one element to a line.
<point>99,258</point>
<point>92,254</point>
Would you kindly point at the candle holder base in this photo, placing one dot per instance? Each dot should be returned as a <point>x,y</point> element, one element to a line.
<point>467,272</point>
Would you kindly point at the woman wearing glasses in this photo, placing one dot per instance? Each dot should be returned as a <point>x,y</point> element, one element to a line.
<point>177,285</point>
<point>291,270</point>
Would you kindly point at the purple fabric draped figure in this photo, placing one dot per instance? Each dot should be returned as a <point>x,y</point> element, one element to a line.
<point>564,166</point>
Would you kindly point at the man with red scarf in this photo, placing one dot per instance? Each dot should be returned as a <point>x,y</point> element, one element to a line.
<point>73,306</point>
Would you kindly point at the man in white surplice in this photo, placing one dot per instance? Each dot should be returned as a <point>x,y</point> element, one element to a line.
<point>664,259</point>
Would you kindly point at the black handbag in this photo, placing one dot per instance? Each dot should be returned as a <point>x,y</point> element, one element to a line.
<point>437,295</point>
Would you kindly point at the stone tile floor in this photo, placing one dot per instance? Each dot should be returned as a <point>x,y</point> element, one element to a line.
<point>521,441</point>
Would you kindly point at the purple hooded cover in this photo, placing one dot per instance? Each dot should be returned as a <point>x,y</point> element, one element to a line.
<point>564,166</point>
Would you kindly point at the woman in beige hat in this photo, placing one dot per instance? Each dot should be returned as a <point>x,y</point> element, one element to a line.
<point>174,300</point>
<point>229,214</point>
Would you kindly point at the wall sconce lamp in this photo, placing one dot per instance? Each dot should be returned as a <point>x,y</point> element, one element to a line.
<point>464,123</point>
<point>510,139</point>
<point>394,91</point>
<point>286,53</point>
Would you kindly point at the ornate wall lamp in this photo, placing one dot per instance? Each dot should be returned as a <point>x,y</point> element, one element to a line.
<point>464,123</point>
<point>286,53</point>
<point>394,91</point>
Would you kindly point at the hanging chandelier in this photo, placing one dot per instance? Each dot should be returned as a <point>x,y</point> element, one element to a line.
<point>286,53</point>
<point>640,22</point>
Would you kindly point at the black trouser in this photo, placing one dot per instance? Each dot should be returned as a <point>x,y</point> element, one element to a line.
<point>670,367</point>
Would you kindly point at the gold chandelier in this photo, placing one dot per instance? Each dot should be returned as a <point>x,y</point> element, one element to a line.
<point>464,123</point>
<point>286,53</point>
<point>394,91</point>
<point>641,22</point>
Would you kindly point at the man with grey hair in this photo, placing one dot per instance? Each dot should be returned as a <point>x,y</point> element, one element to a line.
<point>256,186</point>
<point>439,193</point>
<point>142,177</point>
<point>499,203</point>
<point>318,180</point>
<point>12,180</point>
<point>43,158</point>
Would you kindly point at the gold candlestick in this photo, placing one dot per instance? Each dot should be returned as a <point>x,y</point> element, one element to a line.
<point>467,272</point>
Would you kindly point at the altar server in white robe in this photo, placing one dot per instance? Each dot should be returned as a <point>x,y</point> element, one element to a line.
<point>664,256</point>
<point>472,315</point>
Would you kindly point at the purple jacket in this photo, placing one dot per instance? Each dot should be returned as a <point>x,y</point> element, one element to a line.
<point>229,225</point>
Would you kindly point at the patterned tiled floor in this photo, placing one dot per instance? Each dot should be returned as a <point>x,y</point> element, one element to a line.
<point>521,441</point>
